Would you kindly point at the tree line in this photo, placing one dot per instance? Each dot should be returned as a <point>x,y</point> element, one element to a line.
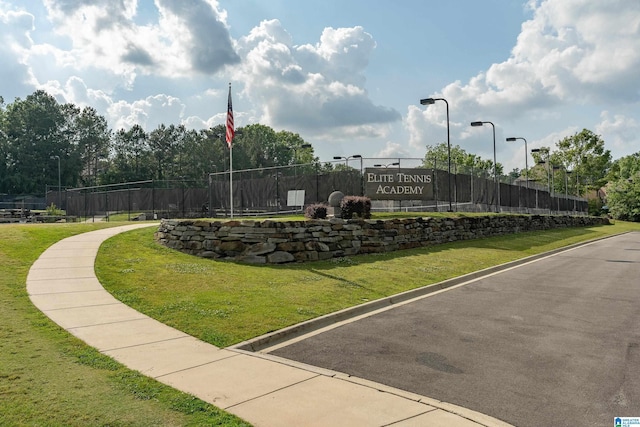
<point>38,132</point>
<point>579,165</point>
<point>581,155</point>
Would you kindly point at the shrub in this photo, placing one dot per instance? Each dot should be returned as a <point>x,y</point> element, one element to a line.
<point>595,207</point>
<point>356,206</point>
<point>316,211</point>
<point>53,210</point>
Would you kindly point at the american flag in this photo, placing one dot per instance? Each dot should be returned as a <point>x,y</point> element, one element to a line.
<point>230,129</point>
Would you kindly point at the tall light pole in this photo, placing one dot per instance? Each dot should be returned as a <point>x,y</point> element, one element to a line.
<point>541,162</point>
<point>346,159</point>
<point>346,163</point>
<point>59,183</point>
<point>495,170</point>
<point>295,154</point>
<point>555,168</point>
<point>566,189</point>
<point>430,101</point>
<point>526,163</point>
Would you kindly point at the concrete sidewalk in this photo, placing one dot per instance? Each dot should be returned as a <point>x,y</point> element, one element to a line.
<point>262,389</point>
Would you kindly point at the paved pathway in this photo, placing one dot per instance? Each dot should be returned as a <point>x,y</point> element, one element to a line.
<point>264,390</point>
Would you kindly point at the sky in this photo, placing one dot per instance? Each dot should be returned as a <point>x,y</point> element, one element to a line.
<point>347,75</point>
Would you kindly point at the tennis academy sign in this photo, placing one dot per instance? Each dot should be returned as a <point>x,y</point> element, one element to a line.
<point>398,184</point>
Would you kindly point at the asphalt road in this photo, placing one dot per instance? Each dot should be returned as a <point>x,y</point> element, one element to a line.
<point>555,342</point>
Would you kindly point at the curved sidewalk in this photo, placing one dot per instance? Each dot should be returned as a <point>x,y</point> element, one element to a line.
<point>264,390</point>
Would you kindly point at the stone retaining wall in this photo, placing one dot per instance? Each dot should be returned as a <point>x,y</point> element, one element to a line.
<point>276,242</point>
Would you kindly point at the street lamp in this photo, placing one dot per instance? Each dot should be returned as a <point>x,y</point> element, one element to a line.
<point>566,189</point>
<point>295,155</point>
<point>495,170</point>
<point>346,163</point>
<point>555,168</point>
<point>387,165</point>
<point>430,101</point>
<point>526,163</point>
<point>542,162</point>
<point>59,182</point>
<point>295,150</point>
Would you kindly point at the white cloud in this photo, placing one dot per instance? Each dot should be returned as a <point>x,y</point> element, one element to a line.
<point>571,53</point>
<point>15,41</point>
<point>188,37</point>
<point>621,131</point>
<point>393,151</point>
<point>202,33</point>
<point>318,89</point>
<point>148,113</point>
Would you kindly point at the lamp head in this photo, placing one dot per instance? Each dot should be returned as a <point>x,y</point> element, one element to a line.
<point>395,164</point>
<point>477,123</point>
<point>427,101</point>
<point>511,139</point>
<point>357,156</point>
<point>535,150</point>
<point>338,157</point>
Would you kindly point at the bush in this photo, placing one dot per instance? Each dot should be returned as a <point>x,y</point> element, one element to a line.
<point>316,211</point>
<point>52,210</point>
<point>356,206</point>
<point>595,207</point>
<point>623,199</point>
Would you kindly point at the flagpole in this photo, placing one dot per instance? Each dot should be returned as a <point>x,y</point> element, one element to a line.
<point>229,138</point>
<point>231,179</point>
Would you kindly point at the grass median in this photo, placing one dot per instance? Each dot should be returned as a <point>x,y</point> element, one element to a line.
<point>48,377</point>
<point>224,303</point>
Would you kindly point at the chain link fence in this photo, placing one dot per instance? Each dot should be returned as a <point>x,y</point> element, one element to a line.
<point>268,191</point>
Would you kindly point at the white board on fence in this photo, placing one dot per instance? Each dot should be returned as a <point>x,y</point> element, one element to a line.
<point>295,198</point>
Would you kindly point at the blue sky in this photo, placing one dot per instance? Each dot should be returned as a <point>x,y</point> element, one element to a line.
<point>346,75</point>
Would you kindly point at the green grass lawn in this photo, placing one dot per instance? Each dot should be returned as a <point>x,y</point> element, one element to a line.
<point>224,303</point>
<point>50,378</point>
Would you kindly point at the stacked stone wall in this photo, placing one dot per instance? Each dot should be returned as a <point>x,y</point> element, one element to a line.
<point>277,242</point>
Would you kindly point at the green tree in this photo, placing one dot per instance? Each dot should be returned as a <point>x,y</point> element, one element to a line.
<point>461,161</point>
<point>92,137</point>
<point>584,154</point>
<point>515,173</point>
<point>296,151</point>
<point>34,133</point>
<point>624,167</point>
<point>4,148</point>
<point>623,198</point>
<point>131,158</point>
<point>257,147</point>
<point>214,149</point>
<point>164,142</point>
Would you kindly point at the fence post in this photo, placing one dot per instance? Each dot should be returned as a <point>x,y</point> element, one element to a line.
<point>435,181</point>
<point>153,199</point>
